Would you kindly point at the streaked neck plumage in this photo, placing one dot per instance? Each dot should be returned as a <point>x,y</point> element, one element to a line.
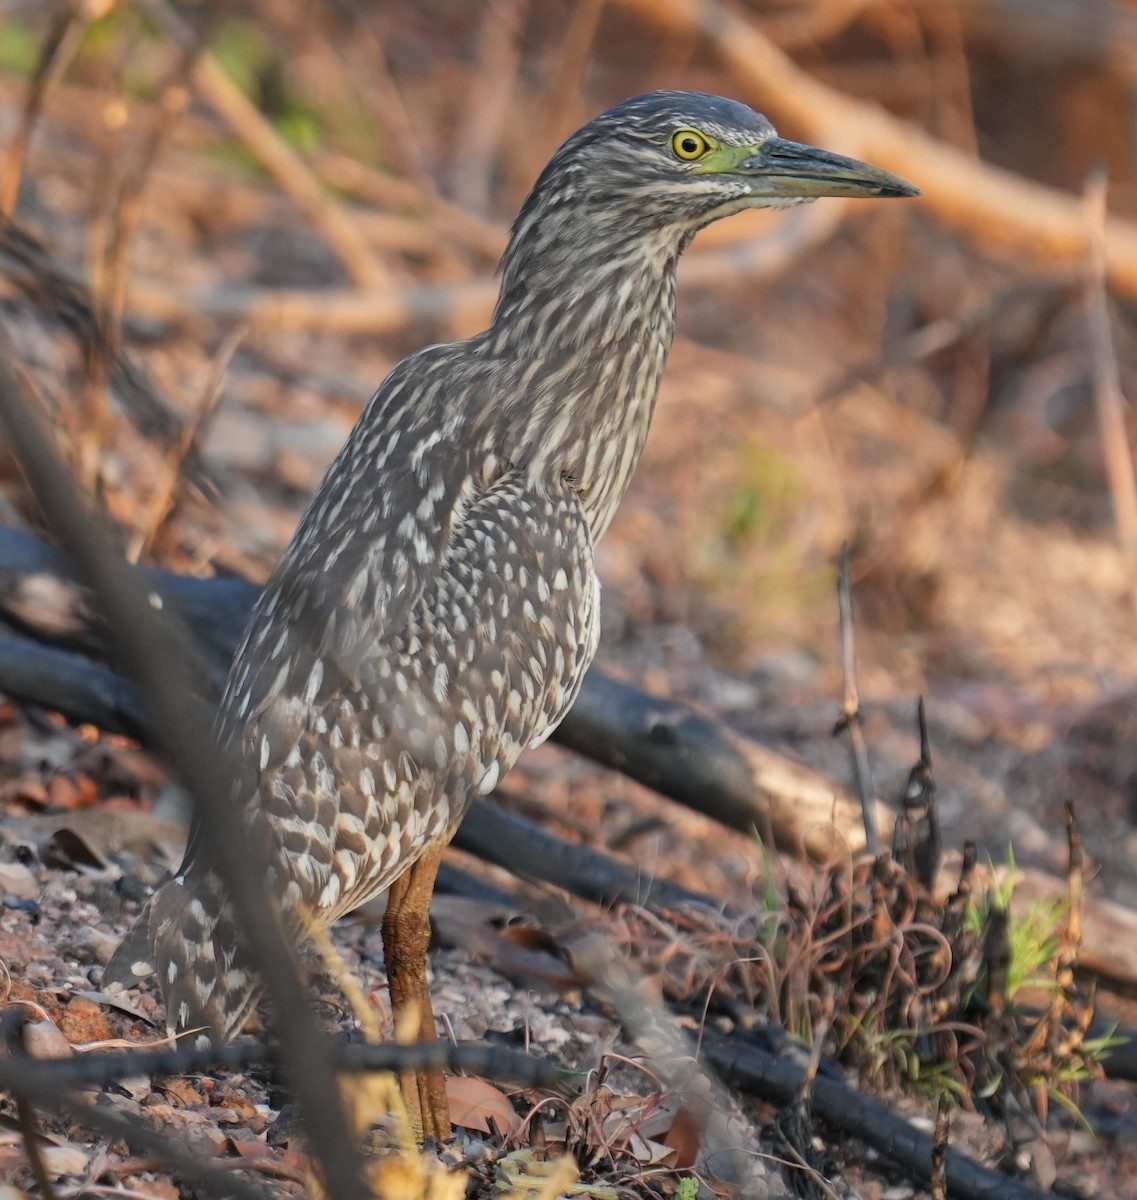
<point>583,334</point>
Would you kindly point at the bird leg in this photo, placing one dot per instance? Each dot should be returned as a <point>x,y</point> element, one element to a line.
<point>406,939</point>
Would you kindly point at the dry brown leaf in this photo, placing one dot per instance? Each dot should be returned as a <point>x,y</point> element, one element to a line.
<point>234,1100</point>
<point>295,1158</point>
<point>72,792</point>
<point>95,837</point>
<point>517,952</point>
<point>650,1153</point>
<point>685,1135</point>
<point>181,1092</point>
<point>248,1149</point>
<point>29,793</point>
<point>137,1087</point>
<point>474,1103</point>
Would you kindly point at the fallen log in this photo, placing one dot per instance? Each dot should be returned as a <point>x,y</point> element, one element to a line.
<point>661,743</point>
<point>664,744</point>
<point>778,1080</point>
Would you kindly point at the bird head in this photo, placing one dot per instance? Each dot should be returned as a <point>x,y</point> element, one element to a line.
<point>680,160</point>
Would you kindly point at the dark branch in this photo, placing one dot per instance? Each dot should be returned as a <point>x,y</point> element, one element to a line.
<point>850,719</point>
<point>777,1080</point>
<point>479,1058</point>
<point>510,841</point>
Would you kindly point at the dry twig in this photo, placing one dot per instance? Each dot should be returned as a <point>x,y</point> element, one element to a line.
<point>56,293</point>
<point>64,34</point>
<point>940,1140</point>
<point>489,100</point>
<point>125,207</point>
<point>162,499</point>
<point>850,719</point>
<point>448,220</point>
<point>916,841</point>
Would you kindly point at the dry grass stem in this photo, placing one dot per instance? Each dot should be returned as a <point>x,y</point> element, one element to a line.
<point>64,34</point>
<point>850,719</point>
<point>161,503</point>
<point>940,1141</point>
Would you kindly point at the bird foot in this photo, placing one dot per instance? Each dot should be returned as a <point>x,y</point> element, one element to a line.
<point>406,939</point>
<point>428,1107</point>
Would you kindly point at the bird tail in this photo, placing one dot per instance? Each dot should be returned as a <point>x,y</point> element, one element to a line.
<point>188,937</point>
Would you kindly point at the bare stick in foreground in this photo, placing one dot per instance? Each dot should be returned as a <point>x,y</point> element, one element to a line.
<point>151,652</point>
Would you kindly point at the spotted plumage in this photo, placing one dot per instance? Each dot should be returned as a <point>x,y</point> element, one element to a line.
<point>438,606</point>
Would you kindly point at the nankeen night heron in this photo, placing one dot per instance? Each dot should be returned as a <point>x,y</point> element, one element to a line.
<point>438,606</point>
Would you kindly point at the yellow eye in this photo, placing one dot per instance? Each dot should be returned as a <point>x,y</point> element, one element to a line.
<point>689,144</point>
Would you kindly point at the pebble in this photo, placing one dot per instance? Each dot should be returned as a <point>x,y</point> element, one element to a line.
<point>44,1039</point>
<point>93,945</point>
<point>18,881</point>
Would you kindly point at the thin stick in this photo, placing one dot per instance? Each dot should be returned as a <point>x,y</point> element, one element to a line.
<point>568,77</point>
<point>27,1120</point>
<point>152,651</point>
<point>368,63</point>
<point>562,103</point>
<point>917,844</point>
<point>489,100</point>
<point>104,1067</point>
<point>1075,879</point>
<point>460,308</point>
<point>162,501</point>
<point>806,25</point>
<point>56,291</point>
<point>450,220</point>
<point>850,719</point>
<point>63,37</point>
<point>1108,400</point>
<point>126,208</point>
<point>940,1141</point>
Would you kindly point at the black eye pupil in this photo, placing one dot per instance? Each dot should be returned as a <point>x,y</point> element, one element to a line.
<point>690,145</point>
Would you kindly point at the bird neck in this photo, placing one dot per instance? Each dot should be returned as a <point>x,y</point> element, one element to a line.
<point>585,339</point>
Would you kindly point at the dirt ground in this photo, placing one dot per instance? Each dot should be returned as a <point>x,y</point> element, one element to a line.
<point>801,409</point>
